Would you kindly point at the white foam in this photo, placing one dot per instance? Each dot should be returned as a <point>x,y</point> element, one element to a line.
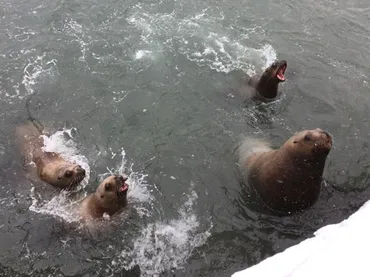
<point>37,69</point>
<point>336,250</point>
<point>268,55</point>
<point>224,55</point>
<point>142,53</point>
<point>202,38</point>
<point>76,30</point>
<point>59,206</point>
<point>165,245</point>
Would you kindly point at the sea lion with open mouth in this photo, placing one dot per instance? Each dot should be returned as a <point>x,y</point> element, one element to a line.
<point>287,179</point>
<point>110,197</point>
<point>51,167</point>
<point>266,86</point>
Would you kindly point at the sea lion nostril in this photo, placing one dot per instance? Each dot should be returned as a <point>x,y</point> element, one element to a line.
<point>324,132</point>
<point>121,178</point>
<point>80,169</point>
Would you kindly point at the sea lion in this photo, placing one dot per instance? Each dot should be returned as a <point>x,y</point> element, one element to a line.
<point>287,179</point>
<point>266,86</point>
<point>51,167</point>
<point>110,197</point>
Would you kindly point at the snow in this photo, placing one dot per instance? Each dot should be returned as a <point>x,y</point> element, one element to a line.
<point>336,250</point>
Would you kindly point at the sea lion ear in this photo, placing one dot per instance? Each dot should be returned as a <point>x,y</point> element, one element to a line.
<point>108,186</point>
<point>295,141</point>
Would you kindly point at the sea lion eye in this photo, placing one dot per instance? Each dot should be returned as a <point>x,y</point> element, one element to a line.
<point>307,137</point>
<point>68,173</point>
<point>108,186</point>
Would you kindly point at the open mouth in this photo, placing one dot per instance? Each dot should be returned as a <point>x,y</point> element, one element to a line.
<point>122,191</point>
<point>281,72</point>
<point>123,188</point>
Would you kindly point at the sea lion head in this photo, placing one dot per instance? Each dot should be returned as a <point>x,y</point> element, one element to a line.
<point>112,192</point>
<point>314,142</point>
<point>69,175</point>
<point>275,72</point>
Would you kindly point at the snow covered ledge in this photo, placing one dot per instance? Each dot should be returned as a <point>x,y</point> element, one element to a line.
<point>336,250</point>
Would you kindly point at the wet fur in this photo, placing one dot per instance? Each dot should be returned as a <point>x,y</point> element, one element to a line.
<point>49,165</point>
<point>285,180</point>
<point>265,85</point>
<point>103,201</point>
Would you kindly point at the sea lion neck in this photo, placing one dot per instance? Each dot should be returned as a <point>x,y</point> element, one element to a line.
<point>267,87</point>
<point>309,161</point>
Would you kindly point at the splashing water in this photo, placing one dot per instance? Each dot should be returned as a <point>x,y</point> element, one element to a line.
<point>201,38</point>
<point>224,55</point>
<point>38,71</point>
<point>140,54</point>
<point>163,246</point>
<point>61,206</point>
<point>138,192</point>
<point>58,206</point>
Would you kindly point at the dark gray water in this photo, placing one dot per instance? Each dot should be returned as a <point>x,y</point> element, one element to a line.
<point>143,87</point>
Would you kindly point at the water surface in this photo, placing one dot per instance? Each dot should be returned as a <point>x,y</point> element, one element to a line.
<point>143,87</point>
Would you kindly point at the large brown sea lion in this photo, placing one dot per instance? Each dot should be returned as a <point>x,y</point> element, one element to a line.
<point>287,179</point>
<point>266,85</point>
<point>51,167</point>
<point>110,197</point>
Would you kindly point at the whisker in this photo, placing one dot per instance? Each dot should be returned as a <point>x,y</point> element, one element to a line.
<point>120,194</point>
<point>71,184</point>
<point>76,180</point>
